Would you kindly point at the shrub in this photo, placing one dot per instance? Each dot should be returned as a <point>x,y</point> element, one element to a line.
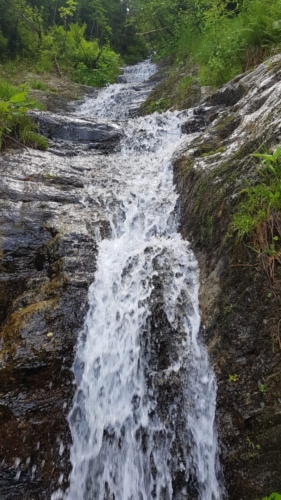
<point>15,125</point>
<point>258,218</point>
<point>84,60</point>
<point>224,43</point>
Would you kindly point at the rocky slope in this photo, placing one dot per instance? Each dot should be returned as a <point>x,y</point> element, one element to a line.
<point>50,223</point>
<point>240,298</point>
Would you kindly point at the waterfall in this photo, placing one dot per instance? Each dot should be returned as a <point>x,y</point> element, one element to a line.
<point>123,448</point>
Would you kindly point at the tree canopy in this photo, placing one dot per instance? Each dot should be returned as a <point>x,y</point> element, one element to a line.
<point>86,37</point>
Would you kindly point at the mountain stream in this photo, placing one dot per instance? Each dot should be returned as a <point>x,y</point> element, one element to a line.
<point>132,438</point>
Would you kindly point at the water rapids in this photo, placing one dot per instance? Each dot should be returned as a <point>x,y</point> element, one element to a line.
<point>123,448</point>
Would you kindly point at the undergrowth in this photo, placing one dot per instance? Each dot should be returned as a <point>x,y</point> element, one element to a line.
<point>83,60</point>
<point>258,218</point>
<point>15,125</point>
<point>224,42</point>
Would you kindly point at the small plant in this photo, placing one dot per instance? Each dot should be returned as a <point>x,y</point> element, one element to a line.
<point>262,388</point>
<point>258,218</point>
<point>37,84</point>
<point>253,445</point>
<point>221,149</point>
<point>15,125</point>
<point>233,378</point>
<point>228,309</point>
<point>7,90</point>
<point>161,105</point>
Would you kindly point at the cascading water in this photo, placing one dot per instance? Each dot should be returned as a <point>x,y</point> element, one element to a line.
<point>123,448</point>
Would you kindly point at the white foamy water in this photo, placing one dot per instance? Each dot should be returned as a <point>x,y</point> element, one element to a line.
<point>116,101</point>
<point>122,448</point>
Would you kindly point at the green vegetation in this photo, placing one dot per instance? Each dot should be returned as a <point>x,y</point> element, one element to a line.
<point>84,40</point>
<point>258,218</point>
<point>88,40</point>
<point>63,34</point>
<point>262,388</point>
<point>15,125</point>
<point>221,149</point>
<point>37,84</point>
<point>222,38</point>
<point>273,496</point>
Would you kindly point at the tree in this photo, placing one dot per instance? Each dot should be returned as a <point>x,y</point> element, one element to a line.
<point>67,12</point>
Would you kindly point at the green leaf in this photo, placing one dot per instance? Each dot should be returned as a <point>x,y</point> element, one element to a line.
<point>4,106</point>
<point>271,168</point>
<point>264,156</point>
<point>277,153</point>
<point>18,98</point>
<point>273,496</point>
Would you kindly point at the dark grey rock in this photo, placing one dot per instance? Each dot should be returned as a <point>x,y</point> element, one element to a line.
<point>197,122</point>
<point>99,134</point>
<point>227,96</point>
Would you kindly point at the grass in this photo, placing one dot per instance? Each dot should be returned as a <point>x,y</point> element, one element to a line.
<point>7,90</point>
<point>37,84</point>
<point>257,220</point>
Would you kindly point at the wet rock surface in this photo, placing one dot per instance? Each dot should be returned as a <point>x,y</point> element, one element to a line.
<point>50,225</point>
<point>240,302</point>
<point>92,133</point>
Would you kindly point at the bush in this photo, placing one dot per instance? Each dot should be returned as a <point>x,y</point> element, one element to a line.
<point>223,43</point>
<point>258,218</point>
<point>84,60</point>
<point>15,125</point>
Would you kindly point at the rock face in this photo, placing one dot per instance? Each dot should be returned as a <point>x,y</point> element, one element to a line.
<point>92,133</point>
<point>240,301</point>
<point>50,223</point>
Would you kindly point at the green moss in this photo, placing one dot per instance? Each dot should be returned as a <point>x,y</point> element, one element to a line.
<point>185,164</point>
<point>226,126</point>
<point>161,105</point>
<point>208,228</point>
<point>221,149</point>
<point>178,90</point>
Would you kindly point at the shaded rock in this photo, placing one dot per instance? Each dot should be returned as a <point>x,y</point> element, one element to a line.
<point>197,123</point>
<point>228,95</point>
<point>104,136</point>
<point>121,79</point>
